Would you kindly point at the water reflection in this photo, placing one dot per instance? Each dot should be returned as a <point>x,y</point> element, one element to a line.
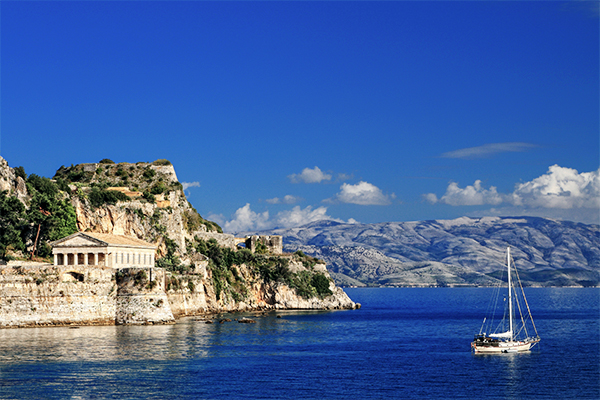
<point>160,342</point>
<point>189,338</point>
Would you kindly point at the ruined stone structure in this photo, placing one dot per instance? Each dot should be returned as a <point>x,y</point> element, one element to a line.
<point>273,243</point>
<point>100,249</point>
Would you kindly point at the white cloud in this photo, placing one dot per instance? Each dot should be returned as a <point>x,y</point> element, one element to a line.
<point>488,150</point>
<point>363,193</point>
<point>560,188</point>
<point>287,199</point>
<point>344,177</point>
<point>298,216</point>
<point>431,198</point>
<point>308,175</point>
<point>246,220</point>
<point>474,195</point>
<point>187,185</point>
<point>218,218</point>
<point>562,193</point>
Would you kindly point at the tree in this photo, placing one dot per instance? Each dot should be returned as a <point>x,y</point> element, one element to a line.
<point>54,217</point>
<point>20,171</point>
<point>12,221</point>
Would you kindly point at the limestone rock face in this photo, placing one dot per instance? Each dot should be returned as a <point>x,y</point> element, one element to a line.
<point>14,185</point>
<point>286,298</point>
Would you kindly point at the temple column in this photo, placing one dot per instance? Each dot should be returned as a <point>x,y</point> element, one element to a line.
<point>55,259</point>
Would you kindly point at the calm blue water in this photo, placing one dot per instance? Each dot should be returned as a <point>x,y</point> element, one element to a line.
<point>404,343</point>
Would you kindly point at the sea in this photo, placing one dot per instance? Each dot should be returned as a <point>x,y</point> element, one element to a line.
<point>404,343</point>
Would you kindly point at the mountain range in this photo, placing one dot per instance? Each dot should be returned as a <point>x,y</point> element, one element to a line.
<point>460,252</point>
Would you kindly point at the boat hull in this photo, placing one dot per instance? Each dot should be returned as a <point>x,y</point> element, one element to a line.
<point>503,347</point>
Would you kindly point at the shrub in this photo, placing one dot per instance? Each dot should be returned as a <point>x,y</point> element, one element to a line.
<point>149,197</point>
<point>149,173</point>
<point>99,197</point>
<point>151,285</point>
<point>20,171</point>
<point>171,261</point>
<point>140,278</point>
<point>161,161</point>
<point>261,248</point>
<point>321,283</point>
<point>42,185</point>
<point>119,276</point>
<point>106,161</point>
<point>158,188</point>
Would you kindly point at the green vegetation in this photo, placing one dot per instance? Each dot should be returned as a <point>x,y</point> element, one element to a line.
<point>12,223</point>
<point>161,161</point>
<point>99,197</point>
<point>49,210</point>
<point>321,284</point>
<point>140,278</point>
<point>308,261</point>
<point>158,188</point>
<point>49,213</point>
<point>20,171</point>
<point>170,261</point>
<point>149,173</point>
<point>261,248</point>
<point>227,281</point>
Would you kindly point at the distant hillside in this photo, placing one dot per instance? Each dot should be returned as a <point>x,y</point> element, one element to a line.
<point>464,251</point>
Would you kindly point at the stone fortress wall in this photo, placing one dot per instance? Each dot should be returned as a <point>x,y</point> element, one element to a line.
<point>39,294</point>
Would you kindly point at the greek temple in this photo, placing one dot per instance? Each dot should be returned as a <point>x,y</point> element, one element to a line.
<point>102,249</point>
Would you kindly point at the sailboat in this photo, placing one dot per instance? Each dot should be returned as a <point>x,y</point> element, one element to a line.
<point>517,338</point>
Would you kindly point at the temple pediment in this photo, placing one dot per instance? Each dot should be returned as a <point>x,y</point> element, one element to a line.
<point>92,239</point>
<point>79,240</point>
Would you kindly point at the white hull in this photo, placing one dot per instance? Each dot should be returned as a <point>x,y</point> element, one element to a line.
<point>503,347</point>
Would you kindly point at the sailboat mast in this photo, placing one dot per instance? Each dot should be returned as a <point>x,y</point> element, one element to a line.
<point>510,311</point>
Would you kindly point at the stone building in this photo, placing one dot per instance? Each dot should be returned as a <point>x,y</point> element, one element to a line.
<point>101,249</point>
<point>273,243</point>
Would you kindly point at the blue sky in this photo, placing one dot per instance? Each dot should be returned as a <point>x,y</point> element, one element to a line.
<point>281,113</point>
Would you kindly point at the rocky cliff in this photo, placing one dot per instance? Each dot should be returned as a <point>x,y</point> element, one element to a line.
<point>201,269</point>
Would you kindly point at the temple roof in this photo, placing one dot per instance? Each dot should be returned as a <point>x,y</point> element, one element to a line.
<point>101,239</point>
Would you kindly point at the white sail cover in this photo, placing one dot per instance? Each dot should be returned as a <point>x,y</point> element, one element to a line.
<point>507,334</point>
